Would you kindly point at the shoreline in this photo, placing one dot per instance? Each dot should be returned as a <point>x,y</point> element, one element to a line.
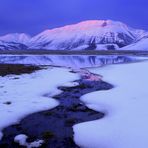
<point>72,52</point>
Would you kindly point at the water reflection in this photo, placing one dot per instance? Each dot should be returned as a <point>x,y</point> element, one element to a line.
<point>69,61</point>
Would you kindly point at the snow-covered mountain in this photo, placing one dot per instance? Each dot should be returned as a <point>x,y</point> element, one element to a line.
<point>87,35</point>
<point>16,38</point>
<point>12,46</point>
<point>95,34</point>
<point>14,41</point>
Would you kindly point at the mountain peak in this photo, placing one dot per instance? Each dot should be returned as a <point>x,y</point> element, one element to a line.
<point>98,23</point>
<point>90,25</point>
<point>86,34</point>
<point>16,37</point>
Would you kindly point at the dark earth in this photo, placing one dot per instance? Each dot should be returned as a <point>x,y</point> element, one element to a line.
<point>75,52</point>
<point>55,125</point>
<point>17,69</point>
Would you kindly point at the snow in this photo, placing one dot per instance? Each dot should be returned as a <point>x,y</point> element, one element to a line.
<point>106,46</point>
<point>16,37</point>
<point>14,41</point>
<point>36,144</point>
<point>71,84</point>
<point>81,47</point>
<point>27,93</point>
<point>125,108</point>
<point>22,140</point>
<point>140,45</point>
<point>79,36</point>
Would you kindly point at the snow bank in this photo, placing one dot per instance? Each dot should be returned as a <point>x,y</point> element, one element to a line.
<point>25,94</point>
<point>126,120</point>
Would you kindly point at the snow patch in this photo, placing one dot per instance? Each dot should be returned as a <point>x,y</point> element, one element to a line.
<point>71,84</point>
<point>26,94</point>
<point>22,141</point>
<point>125,106</point>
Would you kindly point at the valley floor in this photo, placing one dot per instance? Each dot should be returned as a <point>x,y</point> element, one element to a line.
<point>124,106</point>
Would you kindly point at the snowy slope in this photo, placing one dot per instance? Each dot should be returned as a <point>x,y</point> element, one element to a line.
<point>87,35</point>
<point>139,45</point>
<point>14,41</point>
<point>16,38</point>
<point>12,46</point>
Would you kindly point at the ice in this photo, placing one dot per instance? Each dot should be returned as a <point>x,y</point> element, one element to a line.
<point>26,93</point>
<point>125,107</point>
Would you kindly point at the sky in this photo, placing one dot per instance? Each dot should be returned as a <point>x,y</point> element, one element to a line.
<point>35,16</point>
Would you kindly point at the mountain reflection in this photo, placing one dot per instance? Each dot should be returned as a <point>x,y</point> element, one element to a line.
<point>68,61</point>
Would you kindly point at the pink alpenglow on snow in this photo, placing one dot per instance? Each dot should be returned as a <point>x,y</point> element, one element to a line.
<point>98,34</point>
<point>89,76</point>
<point>86,35</point>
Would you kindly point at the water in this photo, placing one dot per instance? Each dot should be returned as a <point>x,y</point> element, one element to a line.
<point>68,61</point>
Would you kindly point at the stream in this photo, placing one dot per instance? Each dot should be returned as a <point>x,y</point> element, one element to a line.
<point>55,126</point>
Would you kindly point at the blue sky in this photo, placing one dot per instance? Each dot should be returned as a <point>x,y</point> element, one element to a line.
<point>34,16</point>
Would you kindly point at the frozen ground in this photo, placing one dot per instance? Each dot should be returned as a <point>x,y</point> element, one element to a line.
<point>25,94</point>
<point>126,108</point>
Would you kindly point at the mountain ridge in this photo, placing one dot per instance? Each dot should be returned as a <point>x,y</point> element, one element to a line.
<point>86,35</point>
